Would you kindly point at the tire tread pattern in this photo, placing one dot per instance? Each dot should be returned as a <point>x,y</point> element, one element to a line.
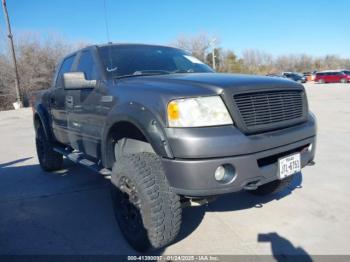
<point>52,160</point>
<point>161,209</point>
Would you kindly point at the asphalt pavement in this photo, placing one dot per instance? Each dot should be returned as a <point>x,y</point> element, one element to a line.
<point>70,211</point>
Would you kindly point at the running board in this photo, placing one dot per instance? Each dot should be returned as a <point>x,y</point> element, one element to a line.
<point>78,158</point>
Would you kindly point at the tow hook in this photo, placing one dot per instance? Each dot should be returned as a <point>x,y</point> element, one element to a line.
<point>311,163</point>
<point>252,185</point>
<point>193,202</point>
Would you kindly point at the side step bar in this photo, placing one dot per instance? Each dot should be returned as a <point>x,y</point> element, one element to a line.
<point>78,158</point>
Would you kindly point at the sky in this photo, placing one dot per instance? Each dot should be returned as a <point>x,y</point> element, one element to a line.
<point>314,27</point>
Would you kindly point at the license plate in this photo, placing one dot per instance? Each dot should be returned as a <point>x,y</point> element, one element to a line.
<point>289,165</point>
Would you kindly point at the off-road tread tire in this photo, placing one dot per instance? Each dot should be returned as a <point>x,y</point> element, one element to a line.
<point>272,187</point>
<point>160,206</point>
<point>51,160</point>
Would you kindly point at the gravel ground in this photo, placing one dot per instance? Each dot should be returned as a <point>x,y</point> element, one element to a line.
<point>69,212</point>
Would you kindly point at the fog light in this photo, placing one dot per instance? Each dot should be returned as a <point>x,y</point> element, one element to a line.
<point>220,173</point>
<point>225,174</point>
<point>309,148</point>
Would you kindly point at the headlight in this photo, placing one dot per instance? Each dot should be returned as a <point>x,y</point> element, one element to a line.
<point>198,112</point>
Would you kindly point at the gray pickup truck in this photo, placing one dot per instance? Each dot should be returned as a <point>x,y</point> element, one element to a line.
<point>170,132</point>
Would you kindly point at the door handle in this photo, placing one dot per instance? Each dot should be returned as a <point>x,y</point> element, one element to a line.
<point>52,100</point>
<point>69,100</point>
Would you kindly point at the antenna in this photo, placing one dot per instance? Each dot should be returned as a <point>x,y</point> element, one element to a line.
<point>106,21</point>
<point>110,67</point>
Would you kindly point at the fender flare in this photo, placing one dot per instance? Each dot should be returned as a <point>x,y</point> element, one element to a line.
<point>41,113</point>
<point>146,122</point>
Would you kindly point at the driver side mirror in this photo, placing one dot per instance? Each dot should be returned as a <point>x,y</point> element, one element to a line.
<point>77,80</point>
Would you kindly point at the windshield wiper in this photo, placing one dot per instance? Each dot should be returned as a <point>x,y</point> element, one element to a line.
<point>144,73</point>
<point>182,71</point>
<point>141,72</point>
<point>155,72</point>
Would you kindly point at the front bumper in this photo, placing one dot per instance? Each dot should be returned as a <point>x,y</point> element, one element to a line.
<point>255,159</point>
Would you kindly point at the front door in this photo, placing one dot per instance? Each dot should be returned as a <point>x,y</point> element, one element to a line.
<point>84,121</point>
<point>58,105</point>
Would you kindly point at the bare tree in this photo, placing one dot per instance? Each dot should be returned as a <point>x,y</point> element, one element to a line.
<point>257,61</point>
<point>7,92</point>
<point>230,63</point>
<point>37,60</point>
<point>198,45</point>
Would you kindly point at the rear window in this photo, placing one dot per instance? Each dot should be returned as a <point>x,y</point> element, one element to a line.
<point>88,66</point>
<point>328,74</point>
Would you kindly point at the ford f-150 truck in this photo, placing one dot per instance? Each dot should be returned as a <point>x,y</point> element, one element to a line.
<point>170,132</point>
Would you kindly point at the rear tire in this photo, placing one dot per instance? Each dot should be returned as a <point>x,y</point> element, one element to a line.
<point>272,187</point>
<point>49,159</point>
<point>147,210</point>
<point>321,81</point>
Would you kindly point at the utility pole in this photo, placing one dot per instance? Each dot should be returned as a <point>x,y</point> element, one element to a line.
<point>212,43</point>
<point>213,55</point>
<point>10,36</point>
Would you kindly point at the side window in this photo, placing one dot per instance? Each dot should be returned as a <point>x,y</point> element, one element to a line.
<point>88,66</point>
<point>65,67</point>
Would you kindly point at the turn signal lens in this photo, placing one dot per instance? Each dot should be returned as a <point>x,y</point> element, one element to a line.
<point>173,111</point>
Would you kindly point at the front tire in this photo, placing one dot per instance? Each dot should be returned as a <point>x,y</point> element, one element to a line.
<point>49,159</point>
<point>272,187</point>
<point>343,80</point>
<point>147,210</point>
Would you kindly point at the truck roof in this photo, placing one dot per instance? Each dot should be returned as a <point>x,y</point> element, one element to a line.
<point>117,44</point>
<point>332,71</point>
<point>131,44</point>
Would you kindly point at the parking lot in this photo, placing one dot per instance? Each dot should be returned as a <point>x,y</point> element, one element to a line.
<point>70,212</point>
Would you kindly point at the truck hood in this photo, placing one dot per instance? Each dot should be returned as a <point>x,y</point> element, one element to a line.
<point>155,92</point>
<point>209,83</point>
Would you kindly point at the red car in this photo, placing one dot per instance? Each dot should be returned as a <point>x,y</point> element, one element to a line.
<point>341,76</point>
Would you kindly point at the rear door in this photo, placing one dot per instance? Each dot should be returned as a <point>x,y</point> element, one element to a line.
<point>328,77</point>
<point>338,77</point>
<point>58,102</point>
<point>335,77</point>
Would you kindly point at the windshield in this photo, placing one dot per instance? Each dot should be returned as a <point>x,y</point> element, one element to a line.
<point>135,60</point>
<point>346,72</point>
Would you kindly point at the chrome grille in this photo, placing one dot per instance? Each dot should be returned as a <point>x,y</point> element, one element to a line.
<point>266,109</point>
